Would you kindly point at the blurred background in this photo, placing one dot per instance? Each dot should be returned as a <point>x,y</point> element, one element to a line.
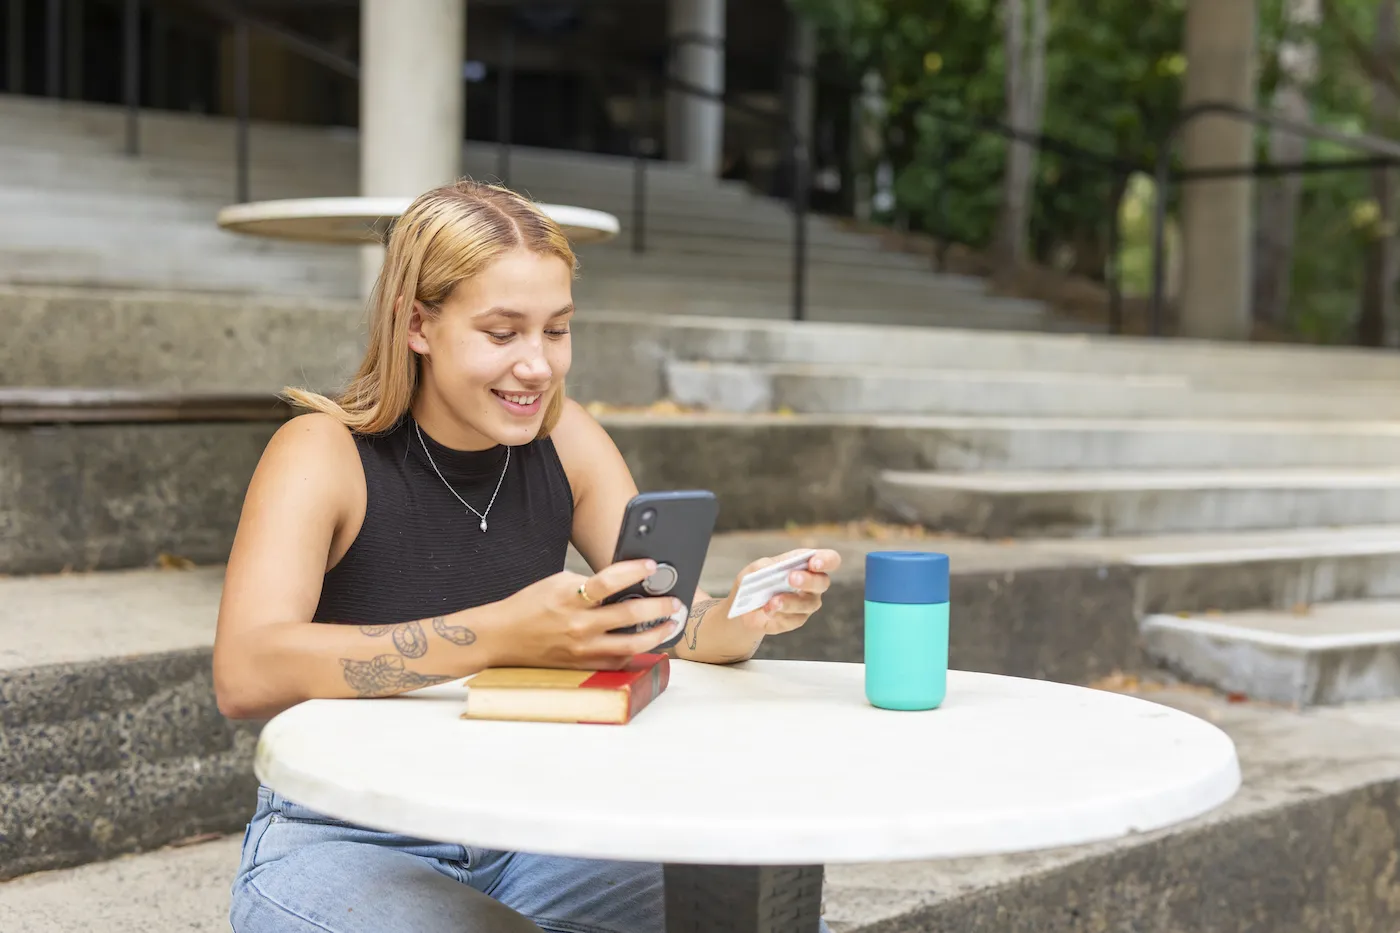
<point>1096,297</point>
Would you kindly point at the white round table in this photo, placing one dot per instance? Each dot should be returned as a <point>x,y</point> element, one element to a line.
<point>363,220</point>
<point>768,763</point>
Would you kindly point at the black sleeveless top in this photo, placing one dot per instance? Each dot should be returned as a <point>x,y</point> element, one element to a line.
<point>420,553</point>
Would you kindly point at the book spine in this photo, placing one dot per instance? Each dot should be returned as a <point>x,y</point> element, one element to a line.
<point>648,688</point>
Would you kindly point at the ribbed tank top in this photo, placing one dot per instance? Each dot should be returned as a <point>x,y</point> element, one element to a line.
<point>420,553</point>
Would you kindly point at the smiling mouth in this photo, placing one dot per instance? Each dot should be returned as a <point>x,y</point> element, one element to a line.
<point>518,398</point>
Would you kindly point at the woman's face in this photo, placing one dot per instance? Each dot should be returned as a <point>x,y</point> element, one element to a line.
<point>499,349</point>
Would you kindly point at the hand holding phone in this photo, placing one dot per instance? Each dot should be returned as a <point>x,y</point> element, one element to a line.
<point>673,529</point>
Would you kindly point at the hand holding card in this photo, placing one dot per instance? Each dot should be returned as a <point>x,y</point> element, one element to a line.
<point>761,585</point>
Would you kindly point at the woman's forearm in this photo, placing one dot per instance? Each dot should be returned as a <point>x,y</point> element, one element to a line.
<point>713,639</point>
<point>275,666</point>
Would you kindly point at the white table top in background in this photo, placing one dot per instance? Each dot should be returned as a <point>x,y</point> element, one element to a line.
<point>767,762</point>
<point>352,220</point>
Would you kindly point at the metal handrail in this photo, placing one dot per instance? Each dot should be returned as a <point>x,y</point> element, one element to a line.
<point>1162,172</point>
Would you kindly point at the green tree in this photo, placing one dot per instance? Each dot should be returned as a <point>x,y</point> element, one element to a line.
<point>1113,83</point>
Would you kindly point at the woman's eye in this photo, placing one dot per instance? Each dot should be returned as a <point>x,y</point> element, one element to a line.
<point>558,333</point>
<point>500,336</point>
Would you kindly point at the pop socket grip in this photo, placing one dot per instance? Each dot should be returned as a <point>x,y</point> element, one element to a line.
<point>661,580</point>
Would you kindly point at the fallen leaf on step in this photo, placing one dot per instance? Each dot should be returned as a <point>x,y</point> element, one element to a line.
<point>167,561</point>
<point>663,406</point>
<point>1301,609</point>
<point>1236,698</point>
<point>1117,682</point>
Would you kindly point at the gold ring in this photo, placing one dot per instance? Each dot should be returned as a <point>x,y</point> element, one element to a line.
<point>583,591</point>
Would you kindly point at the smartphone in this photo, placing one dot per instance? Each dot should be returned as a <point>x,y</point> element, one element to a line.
<point>673,529</point>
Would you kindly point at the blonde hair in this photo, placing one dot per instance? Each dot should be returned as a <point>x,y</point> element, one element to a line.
<point>446,236</point>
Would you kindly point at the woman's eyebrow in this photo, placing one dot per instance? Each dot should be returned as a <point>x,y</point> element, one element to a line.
<point>519,315</point>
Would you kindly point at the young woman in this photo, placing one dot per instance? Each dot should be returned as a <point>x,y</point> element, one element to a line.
<point>425,515</point>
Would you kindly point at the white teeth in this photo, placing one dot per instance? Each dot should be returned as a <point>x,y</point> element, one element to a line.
<point>519,399</point>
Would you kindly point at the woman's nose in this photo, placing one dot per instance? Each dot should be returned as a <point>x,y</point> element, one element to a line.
<point>533,368</point>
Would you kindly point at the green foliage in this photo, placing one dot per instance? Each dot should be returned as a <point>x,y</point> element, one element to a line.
<point>1114,70</point>
<point>1113,81</point>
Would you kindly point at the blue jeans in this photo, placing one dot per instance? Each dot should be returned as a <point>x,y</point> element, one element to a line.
<point>303,872</point>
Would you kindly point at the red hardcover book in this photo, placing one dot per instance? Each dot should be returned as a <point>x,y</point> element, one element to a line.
<point>557,695</point>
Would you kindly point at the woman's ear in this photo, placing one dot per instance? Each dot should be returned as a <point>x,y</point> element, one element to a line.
<point>417,339</point>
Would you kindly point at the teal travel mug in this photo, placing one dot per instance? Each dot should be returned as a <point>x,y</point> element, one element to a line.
<point>906,629</point>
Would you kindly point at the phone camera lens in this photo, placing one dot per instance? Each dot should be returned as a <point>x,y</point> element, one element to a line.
<point>643,528</point>
<point>648,516</point>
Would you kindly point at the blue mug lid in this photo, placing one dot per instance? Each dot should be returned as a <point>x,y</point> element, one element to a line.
<point>906,577</point>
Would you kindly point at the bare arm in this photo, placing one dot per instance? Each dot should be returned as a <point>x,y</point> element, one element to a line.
<point>308,487</point>
<point>603,485</point>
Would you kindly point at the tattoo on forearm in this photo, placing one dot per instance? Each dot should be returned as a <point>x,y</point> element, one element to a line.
<point>697,615</point>
<point>457,634</point>
<point>386,675</point>
<point>408,637</point>
<point>410,640</point>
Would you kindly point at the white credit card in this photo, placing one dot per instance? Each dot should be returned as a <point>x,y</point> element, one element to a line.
<point>763,584</point>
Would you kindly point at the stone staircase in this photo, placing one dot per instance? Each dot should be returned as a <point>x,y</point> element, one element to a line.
<point>1110,546</point>
<point>1225,456</point>
<point>83,213</point>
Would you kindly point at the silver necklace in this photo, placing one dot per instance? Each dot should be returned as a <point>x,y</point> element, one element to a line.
<point>481,515</point>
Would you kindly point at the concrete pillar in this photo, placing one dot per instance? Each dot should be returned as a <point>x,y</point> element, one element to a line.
<point>695,125</point>
<point>1218,215</point>
<point>411,100</point>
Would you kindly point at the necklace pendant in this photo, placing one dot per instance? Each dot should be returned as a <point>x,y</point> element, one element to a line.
<point>483,525</point>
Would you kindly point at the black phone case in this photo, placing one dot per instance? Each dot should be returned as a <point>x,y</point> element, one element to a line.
<point>678,536</point>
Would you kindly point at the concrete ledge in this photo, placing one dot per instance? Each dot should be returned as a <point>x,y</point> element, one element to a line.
<point>1092,504</point>
<point>108,495</point>
<point>961,390</point>
<point>192,340</point>
<point>1325,654</point>
<point>113,756</point>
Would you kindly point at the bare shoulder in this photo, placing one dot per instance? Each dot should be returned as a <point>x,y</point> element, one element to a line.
<point>584,447</point>
<point>315,455</point>
<point>309,486</point>
<point>313,441</point>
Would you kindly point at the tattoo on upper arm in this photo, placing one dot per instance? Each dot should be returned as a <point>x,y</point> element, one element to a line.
<point>374,631</point>
<point>386,675</point>
<point>410,640</point>
<point>457,634</point>
<point>697,615</point>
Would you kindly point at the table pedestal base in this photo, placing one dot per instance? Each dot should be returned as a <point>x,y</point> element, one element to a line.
<point>743,899</point>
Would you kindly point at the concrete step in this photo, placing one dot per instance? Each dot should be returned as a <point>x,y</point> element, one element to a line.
<point>1278,569</point>
<point>831,280</point>
<point>112,739</point>
<point>619,356</point>
<point>75,481</point>
<point>182,888</point>
<point>959,391</point>
<point>851,345</point>
<point>113,743</point>
<point>1140,502</point>
<point>1329,653</point>
<point>1327,781</point>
